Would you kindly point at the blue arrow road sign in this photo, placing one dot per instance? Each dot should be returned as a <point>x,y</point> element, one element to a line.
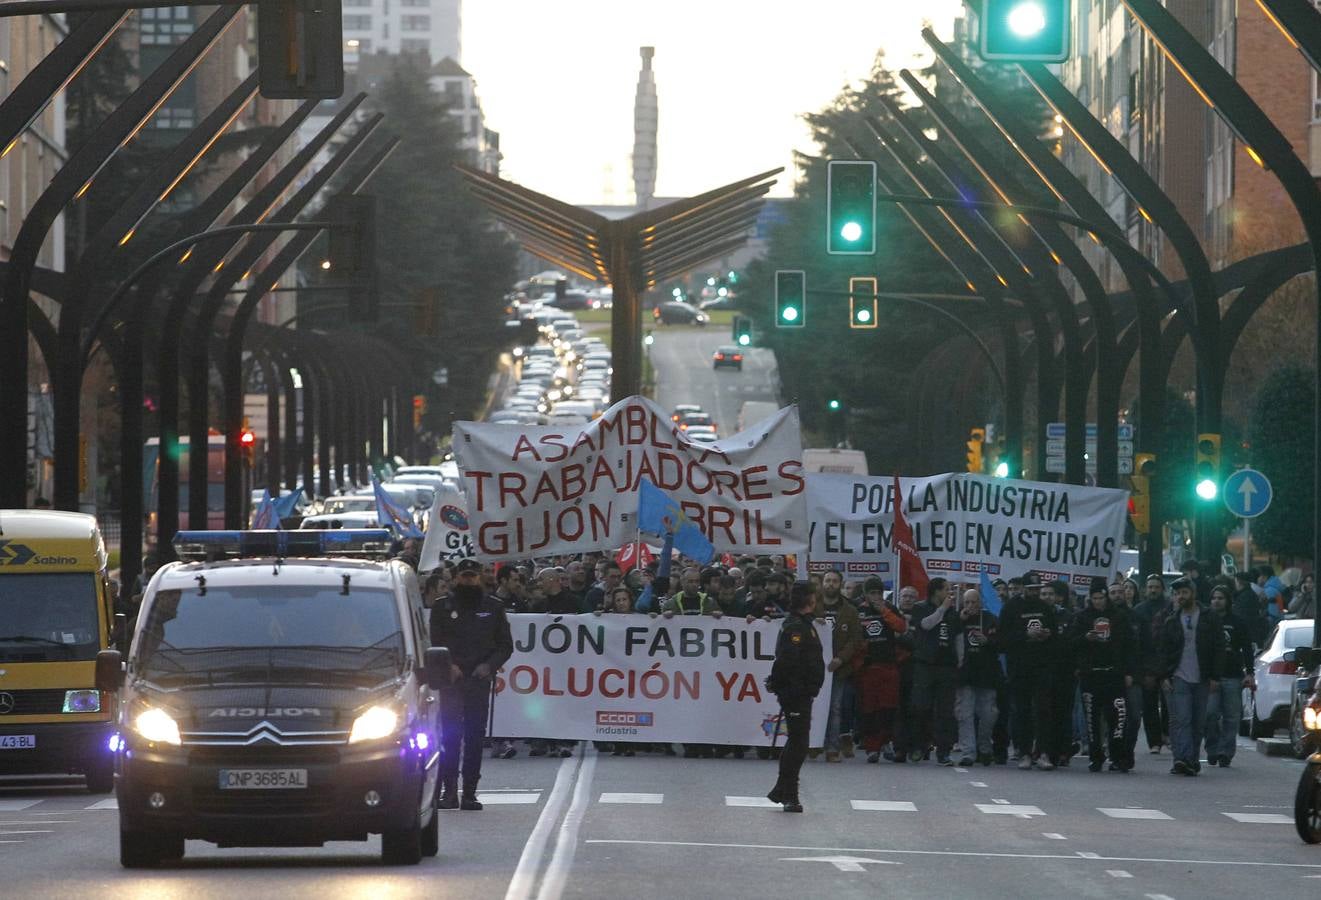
<point>1247,493</point>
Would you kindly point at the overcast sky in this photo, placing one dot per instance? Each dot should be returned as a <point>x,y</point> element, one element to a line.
<point>557,78</point>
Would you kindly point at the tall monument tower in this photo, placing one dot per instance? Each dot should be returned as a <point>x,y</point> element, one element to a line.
<point>644,133</point>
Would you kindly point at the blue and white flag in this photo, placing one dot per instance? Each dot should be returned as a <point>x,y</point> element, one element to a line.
<point>287,505</point>
<point>391,515</point>
<point>266,516</point>
<point>990,599</point>
<point>660,514</point>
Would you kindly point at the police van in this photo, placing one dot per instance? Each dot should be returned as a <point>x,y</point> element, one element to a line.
<point>56,614</point>
<point>278,692</point>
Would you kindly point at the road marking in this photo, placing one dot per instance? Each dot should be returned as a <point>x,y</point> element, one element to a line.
<point>1087,854</point>
<point>753,802</point>
<point>1053,835</point>
<point>520,886</point>
<point>111,803</point>
<point>977,783</point>
<point>1022,812</point>
<point>883,805</point>
<point>1260,818</point>
<point>843,863</point>
<point>961,770</point>
<point>21,831</point>
<point>1117,873</point>
<point>1001,802</point>
<point>41,822</point>
<point>1168,897</point>
<point>561,860</point>
<point>16,805</point>
<point>508,799</point>
<point>970,854</point>
<point>632,798</point>
<point>1132,813</point>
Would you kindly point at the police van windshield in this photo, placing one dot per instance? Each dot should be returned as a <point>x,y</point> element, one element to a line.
<point>48,617</point>
<point>277,629</point>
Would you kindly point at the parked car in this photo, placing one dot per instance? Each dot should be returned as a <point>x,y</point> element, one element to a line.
<point>690,419</point>
<point>1275,671</point>
<point>672,312</point>
<point>727,355</point>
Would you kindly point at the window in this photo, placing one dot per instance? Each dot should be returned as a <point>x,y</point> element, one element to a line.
<point>415,23</point>
<point>415,3</point>
<point>165,26</point>
<point>415,45</point>
<point>357,23</point>
<point>357,4</point>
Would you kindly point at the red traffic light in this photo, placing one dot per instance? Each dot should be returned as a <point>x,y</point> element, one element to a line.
<point>247,438</point>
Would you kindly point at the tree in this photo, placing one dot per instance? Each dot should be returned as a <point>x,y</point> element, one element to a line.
<point>1280,436</point>
<point>437,245</point>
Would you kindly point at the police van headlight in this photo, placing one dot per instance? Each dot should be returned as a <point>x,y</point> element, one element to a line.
<point>1311,718</point>
<point>157,726</point>
<point>82,701</point>
<point>375,723</point>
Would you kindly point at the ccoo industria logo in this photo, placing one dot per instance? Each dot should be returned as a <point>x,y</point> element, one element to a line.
<point>613,719</point>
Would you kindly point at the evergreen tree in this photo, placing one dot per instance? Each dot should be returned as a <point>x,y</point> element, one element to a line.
<point>1280,435</point>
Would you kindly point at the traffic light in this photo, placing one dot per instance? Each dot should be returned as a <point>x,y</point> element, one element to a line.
<point>976,438</point>
<point>419,410</point>
<point>300,49</point>
<point>1207,468</point>
<point>834,405</point>
<point>790,298</point>
<point>1139,501</point>
<point>862,302</point>
<point>247,443</point>
<point>352,254</point>
<point>851,207</point>
<point>1025,30</point>
<point>742,331</point>
<point>1001,467</point>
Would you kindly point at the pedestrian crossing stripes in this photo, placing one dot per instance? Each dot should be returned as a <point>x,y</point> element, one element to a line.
<point>884,805</point>
<point>633,798</point>
<point>16,805</point>
<point>1132,813</point>
<point>1260,818</point>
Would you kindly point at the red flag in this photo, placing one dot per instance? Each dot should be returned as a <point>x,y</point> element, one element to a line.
<point>911,571</point>
<point>635,555</point>
<point>727,560</point>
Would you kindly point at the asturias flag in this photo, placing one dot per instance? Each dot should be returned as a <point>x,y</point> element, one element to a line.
<point>990,599</point>
<point>911,571</point>
<point>659,514</point>
<point>391,515</point>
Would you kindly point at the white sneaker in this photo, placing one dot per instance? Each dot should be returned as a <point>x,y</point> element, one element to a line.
<point>1045,765</point>
<point>1025,762</point>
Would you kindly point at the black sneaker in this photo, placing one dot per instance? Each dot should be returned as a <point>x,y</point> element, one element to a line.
<point>874,756</point>
<point>1224,762</point>
<point>986,759</point>
<point>509,752</point>
<point>448,800</point>
<point>1180,768</point>
<point>1096,765</point>
<point>942,759</point>
<point>470,803</point>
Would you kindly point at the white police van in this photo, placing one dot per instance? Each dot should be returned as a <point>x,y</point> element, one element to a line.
<point>278,692</point>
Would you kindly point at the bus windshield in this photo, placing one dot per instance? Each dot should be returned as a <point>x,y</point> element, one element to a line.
<point>48,617</point>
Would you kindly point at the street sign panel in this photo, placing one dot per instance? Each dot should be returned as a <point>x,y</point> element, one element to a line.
<point>1055,447</point>
<point>1055,464</point>
<point>1054,429</point>
<point>1124,430</point>
<point>1247,493</point>
<point>1125,465</point>
<point>1125,447</point>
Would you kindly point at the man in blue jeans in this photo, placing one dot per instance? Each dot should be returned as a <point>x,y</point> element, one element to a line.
<point>1190,642</point>
<point>1224,707</point>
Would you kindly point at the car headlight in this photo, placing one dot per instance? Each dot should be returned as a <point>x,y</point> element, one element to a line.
<point>1311,719</point>
<point>157,726</point>
<point>375,723</point>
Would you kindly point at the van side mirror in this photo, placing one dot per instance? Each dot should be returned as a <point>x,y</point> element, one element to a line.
<point>109,671</point>
<point>1289,656</point>
<point>436,667</point>
<point>1307,657</point>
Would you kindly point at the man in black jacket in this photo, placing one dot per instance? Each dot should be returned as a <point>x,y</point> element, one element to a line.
<point>1148,619</point>
<point>1224,707</point>
<point>1027,633</point>
<point>474,628</point>
<point>1190,646</point>
<point>935,670</point>
<point>796,677</point>
<point>1102,643</point>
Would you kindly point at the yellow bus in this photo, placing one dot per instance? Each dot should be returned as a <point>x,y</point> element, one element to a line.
<point>56,614</point>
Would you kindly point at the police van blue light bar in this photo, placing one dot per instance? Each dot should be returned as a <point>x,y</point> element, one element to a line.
<point>211,545</point>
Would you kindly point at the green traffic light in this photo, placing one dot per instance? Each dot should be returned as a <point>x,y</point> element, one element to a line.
<point>834,404</point>
<point>1207,489</point>
<point>1027,19</point>
<point>744,340</point>
<point>1025,30</point>
<point>789,314</point>
<point>1002,470</point>
<point>863,315</point>
<point>851,232</point>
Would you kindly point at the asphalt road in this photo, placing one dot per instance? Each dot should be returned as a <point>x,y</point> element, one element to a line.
<point>681,357</point>
<point>596,826</point>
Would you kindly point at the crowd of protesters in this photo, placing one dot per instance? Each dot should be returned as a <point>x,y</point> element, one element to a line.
<point>1055,675</point>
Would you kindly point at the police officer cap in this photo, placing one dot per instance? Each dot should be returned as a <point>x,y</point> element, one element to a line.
<point>1031,579</point>
<point>468,565</point>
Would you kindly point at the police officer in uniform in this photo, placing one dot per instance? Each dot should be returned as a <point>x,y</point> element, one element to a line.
<point>796,677</point>
<point>474,628</point>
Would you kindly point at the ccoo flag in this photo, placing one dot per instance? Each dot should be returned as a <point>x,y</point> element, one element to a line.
<point>391,515</point>
<point>660,514</point>
<point>266,516</point>
<point>911,572</point>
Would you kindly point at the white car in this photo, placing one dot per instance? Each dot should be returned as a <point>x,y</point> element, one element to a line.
<point>1274,671</point>
<point>342,520</point>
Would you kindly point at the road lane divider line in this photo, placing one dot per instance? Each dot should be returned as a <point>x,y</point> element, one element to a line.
<point>971,854</point>
<point>529,862</point>
<point>566,844</point>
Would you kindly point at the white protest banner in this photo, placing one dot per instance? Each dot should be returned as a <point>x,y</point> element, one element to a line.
<point>547,490</point>
<point>447,530</point>
<point>966,524</point>
<point>689,679</point>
